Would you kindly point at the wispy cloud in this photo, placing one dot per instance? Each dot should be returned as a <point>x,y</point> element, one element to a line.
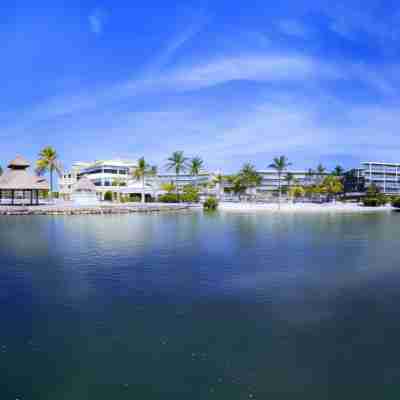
<point>252,67</point>
<point>97,20</point>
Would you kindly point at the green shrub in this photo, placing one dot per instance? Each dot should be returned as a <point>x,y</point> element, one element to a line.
<point>190,194</point>
<point>396,202</point>
<point>371,202</point>
<point>135,198</point>
<point>168,198</point>
<point>108,196</point>
<point>211,204</point>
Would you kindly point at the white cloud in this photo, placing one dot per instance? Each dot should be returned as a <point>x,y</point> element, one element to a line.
<point>258,67</point>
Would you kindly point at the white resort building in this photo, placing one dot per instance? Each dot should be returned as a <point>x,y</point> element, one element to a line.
<point>386,176</point>
<point>116,176</point>
<point>271,178</point>
<point>107,176</point>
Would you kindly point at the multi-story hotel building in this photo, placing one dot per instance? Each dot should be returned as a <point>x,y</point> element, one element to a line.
<point>108,175</point>
<point>386,176</point>
<point>116,176</point>
<point>271,178</point>
<point>185,179</point>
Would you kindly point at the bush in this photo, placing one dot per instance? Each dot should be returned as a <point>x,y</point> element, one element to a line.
<point>168,198</point>
<point>108,196</point>
<point>371,202</point>
<point>135,198</point>
<point>396,202</point>
<point>375,201</point>
<point>190,194</point>
<point>211,204</point>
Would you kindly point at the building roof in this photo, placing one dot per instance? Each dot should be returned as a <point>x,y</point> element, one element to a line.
<point>381,163</point>
<point>19,162</point>
<point>16,177</point>
<point>84,185</point>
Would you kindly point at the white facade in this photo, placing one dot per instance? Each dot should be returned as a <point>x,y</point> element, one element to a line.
<point>116,176</point>
<point>271,179</point>
<point>108,175</point>
<point>386,176</point>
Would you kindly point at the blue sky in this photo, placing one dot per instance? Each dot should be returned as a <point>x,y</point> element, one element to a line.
<point>316,81</point>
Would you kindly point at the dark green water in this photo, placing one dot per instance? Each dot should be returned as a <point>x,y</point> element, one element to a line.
<point>200,307</point>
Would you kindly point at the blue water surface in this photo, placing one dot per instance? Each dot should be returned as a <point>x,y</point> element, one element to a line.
<point>200,306</point>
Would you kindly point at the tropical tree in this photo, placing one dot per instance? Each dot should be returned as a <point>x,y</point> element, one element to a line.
<point>153,172</point>
<point>1,171</point>
<point>238,186</point>
<point>178,163</point>
<point>332,186</point>
<point>297,191</point>
<point>247,178</point>
<point>168,187</point>
<point>309,176</point>
<point>196,164</point>
<point>280,164</point>
<point>141,171</point>
<point>219,180</point>
<point>338,171</point>
<point>48,162</point>
<point>118,182</point>
<point>289,178</point>
<point>321,169</point>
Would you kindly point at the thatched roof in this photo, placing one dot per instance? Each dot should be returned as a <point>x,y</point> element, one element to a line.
<point>19,162</point>
<point>84,185</point>
<point>16,177</point>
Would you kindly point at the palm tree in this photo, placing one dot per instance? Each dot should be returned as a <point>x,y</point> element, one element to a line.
<point>195,166</point>
<point>118,182</point>
<point>321,169</point>
<point>153,172</point>
<point>332,186</point>
<point>280,164</point>
<point>320,172</point>
<point>141,171</point>
<point>48,162</point>
<point>178,163</point>
<point>338,171</point>
<point>289,178</point>
<point>219,180</point>
<point>249,177</point>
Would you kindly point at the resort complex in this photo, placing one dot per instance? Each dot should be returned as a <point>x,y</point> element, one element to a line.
<point>184,179</point>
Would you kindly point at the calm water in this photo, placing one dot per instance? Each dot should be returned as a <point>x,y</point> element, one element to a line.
<point>200,306</point>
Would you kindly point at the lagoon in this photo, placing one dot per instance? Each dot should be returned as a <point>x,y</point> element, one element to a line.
<point>200,306</point>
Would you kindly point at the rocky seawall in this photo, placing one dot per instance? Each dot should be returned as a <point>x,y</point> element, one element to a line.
<point>92,210</point>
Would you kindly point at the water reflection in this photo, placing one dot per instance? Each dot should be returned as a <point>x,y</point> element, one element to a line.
<point>199,306</point>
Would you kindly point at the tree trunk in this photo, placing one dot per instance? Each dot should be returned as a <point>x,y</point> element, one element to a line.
<point>51,184</point>
<point>143,193</point>
<point>280,190</point>
<point>177,189</point>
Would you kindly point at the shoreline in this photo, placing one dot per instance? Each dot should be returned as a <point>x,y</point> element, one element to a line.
<point>302,208</point>
<point>109,209</point>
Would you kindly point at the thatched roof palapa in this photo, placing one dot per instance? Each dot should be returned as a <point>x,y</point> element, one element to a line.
<point>84,185</point>
<point>16,177</point>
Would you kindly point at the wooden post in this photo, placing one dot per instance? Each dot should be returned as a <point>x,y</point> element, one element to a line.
<point>31,197</point>
<point>12,197</point>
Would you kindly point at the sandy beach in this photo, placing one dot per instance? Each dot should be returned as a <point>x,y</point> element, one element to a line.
<point>302,208</point>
